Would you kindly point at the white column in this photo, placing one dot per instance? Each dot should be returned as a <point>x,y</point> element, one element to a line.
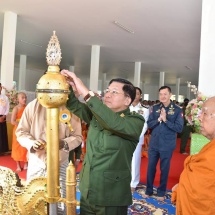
<point>94,68</point>
<point>22,72</point>
<point>104,79</point>
<point>137,72</point>
<point>72,68</point>
<point>188,93</point>
<point>207,49</point>
<point>177,88</point>
<point>141,85</point>
<point>161,81</point>
<point>8,49</point>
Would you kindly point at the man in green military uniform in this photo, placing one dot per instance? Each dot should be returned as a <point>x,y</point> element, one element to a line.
<point>112,138</point>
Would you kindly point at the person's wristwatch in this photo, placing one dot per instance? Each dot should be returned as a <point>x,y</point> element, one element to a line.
<point>89,95</point>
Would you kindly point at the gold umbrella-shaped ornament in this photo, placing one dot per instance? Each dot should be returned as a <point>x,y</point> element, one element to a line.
<point>52,92</point>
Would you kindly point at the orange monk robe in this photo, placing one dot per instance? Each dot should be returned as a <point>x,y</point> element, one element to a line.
<point>195,194</point>
<point>19,153</point>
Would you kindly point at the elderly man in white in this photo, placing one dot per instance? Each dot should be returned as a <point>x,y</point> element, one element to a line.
<point>31,134</point>
<point>136,160</point>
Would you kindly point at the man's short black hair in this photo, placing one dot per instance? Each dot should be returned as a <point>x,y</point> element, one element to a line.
<point>128,87</point>
<point>165,87</point>
<point>186,100</point>
<point>137,88</point>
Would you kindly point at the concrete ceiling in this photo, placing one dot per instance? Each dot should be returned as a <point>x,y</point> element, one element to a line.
<point>166,36</point>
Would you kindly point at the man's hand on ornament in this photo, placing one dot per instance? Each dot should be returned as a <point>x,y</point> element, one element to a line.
<point>80,87</point>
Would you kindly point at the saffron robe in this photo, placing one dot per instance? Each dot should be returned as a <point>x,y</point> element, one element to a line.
<point>19,153</point>
<point>195,194</point>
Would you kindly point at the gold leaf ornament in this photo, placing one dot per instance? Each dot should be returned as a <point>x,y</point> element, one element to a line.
<point>53,51</point>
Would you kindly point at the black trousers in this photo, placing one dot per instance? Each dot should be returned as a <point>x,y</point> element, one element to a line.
<point>3,137</point>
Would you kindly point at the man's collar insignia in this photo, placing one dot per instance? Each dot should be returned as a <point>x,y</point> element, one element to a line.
<point>158,110</point>
<point>122,114</point>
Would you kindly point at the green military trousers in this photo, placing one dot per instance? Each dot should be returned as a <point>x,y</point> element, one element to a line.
<point>87,209</point>
<point>184,135</point>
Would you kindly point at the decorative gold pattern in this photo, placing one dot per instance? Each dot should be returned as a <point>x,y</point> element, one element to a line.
<point>53,52</point>
<point>15,199</point>
<point>8,188</point>
<point>32,199</point>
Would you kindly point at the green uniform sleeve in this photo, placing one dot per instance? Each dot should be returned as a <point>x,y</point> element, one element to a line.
<point>123,124</point>
<point>78,108</point>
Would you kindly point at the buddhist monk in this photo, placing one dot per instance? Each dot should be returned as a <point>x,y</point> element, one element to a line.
<point>195,192</point>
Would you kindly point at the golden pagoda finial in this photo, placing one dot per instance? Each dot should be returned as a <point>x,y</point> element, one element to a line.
<point>53,51</point>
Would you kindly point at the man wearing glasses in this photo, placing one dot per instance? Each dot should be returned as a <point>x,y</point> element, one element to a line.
<point>112,138</point>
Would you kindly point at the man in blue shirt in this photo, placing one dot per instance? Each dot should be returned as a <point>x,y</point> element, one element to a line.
<point>166,120</point>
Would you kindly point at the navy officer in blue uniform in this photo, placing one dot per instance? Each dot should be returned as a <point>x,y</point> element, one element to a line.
<point>166,120</point>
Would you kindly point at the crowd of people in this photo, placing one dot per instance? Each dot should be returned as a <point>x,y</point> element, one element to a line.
<point>116,126</point>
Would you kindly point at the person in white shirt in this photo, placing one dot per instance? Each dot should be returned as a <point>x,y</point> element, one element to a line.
<point>4,110</point>
<point>136,159</point>
<point>31,134</point>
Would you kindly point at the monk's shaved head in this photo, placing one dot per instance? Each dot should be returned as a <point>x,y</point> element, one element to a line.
<point>21,94</point>
<point>210,102</point>
<point>22,98</point>
<point>207,118</point>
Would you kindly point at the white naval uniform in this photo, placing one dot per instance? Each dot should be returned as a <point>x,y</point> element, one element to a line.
<point>136,159</point>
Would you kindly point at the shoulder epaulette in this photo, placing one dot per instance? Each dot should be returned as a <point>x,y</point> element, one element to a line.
<point>133,113</point>
<point>144,106</point>
<point>158,104</point>
<point>178,106</point>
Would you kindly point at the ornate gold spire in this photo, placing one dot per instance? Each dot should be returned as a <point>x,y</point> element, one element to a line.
<point>53,51</point>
